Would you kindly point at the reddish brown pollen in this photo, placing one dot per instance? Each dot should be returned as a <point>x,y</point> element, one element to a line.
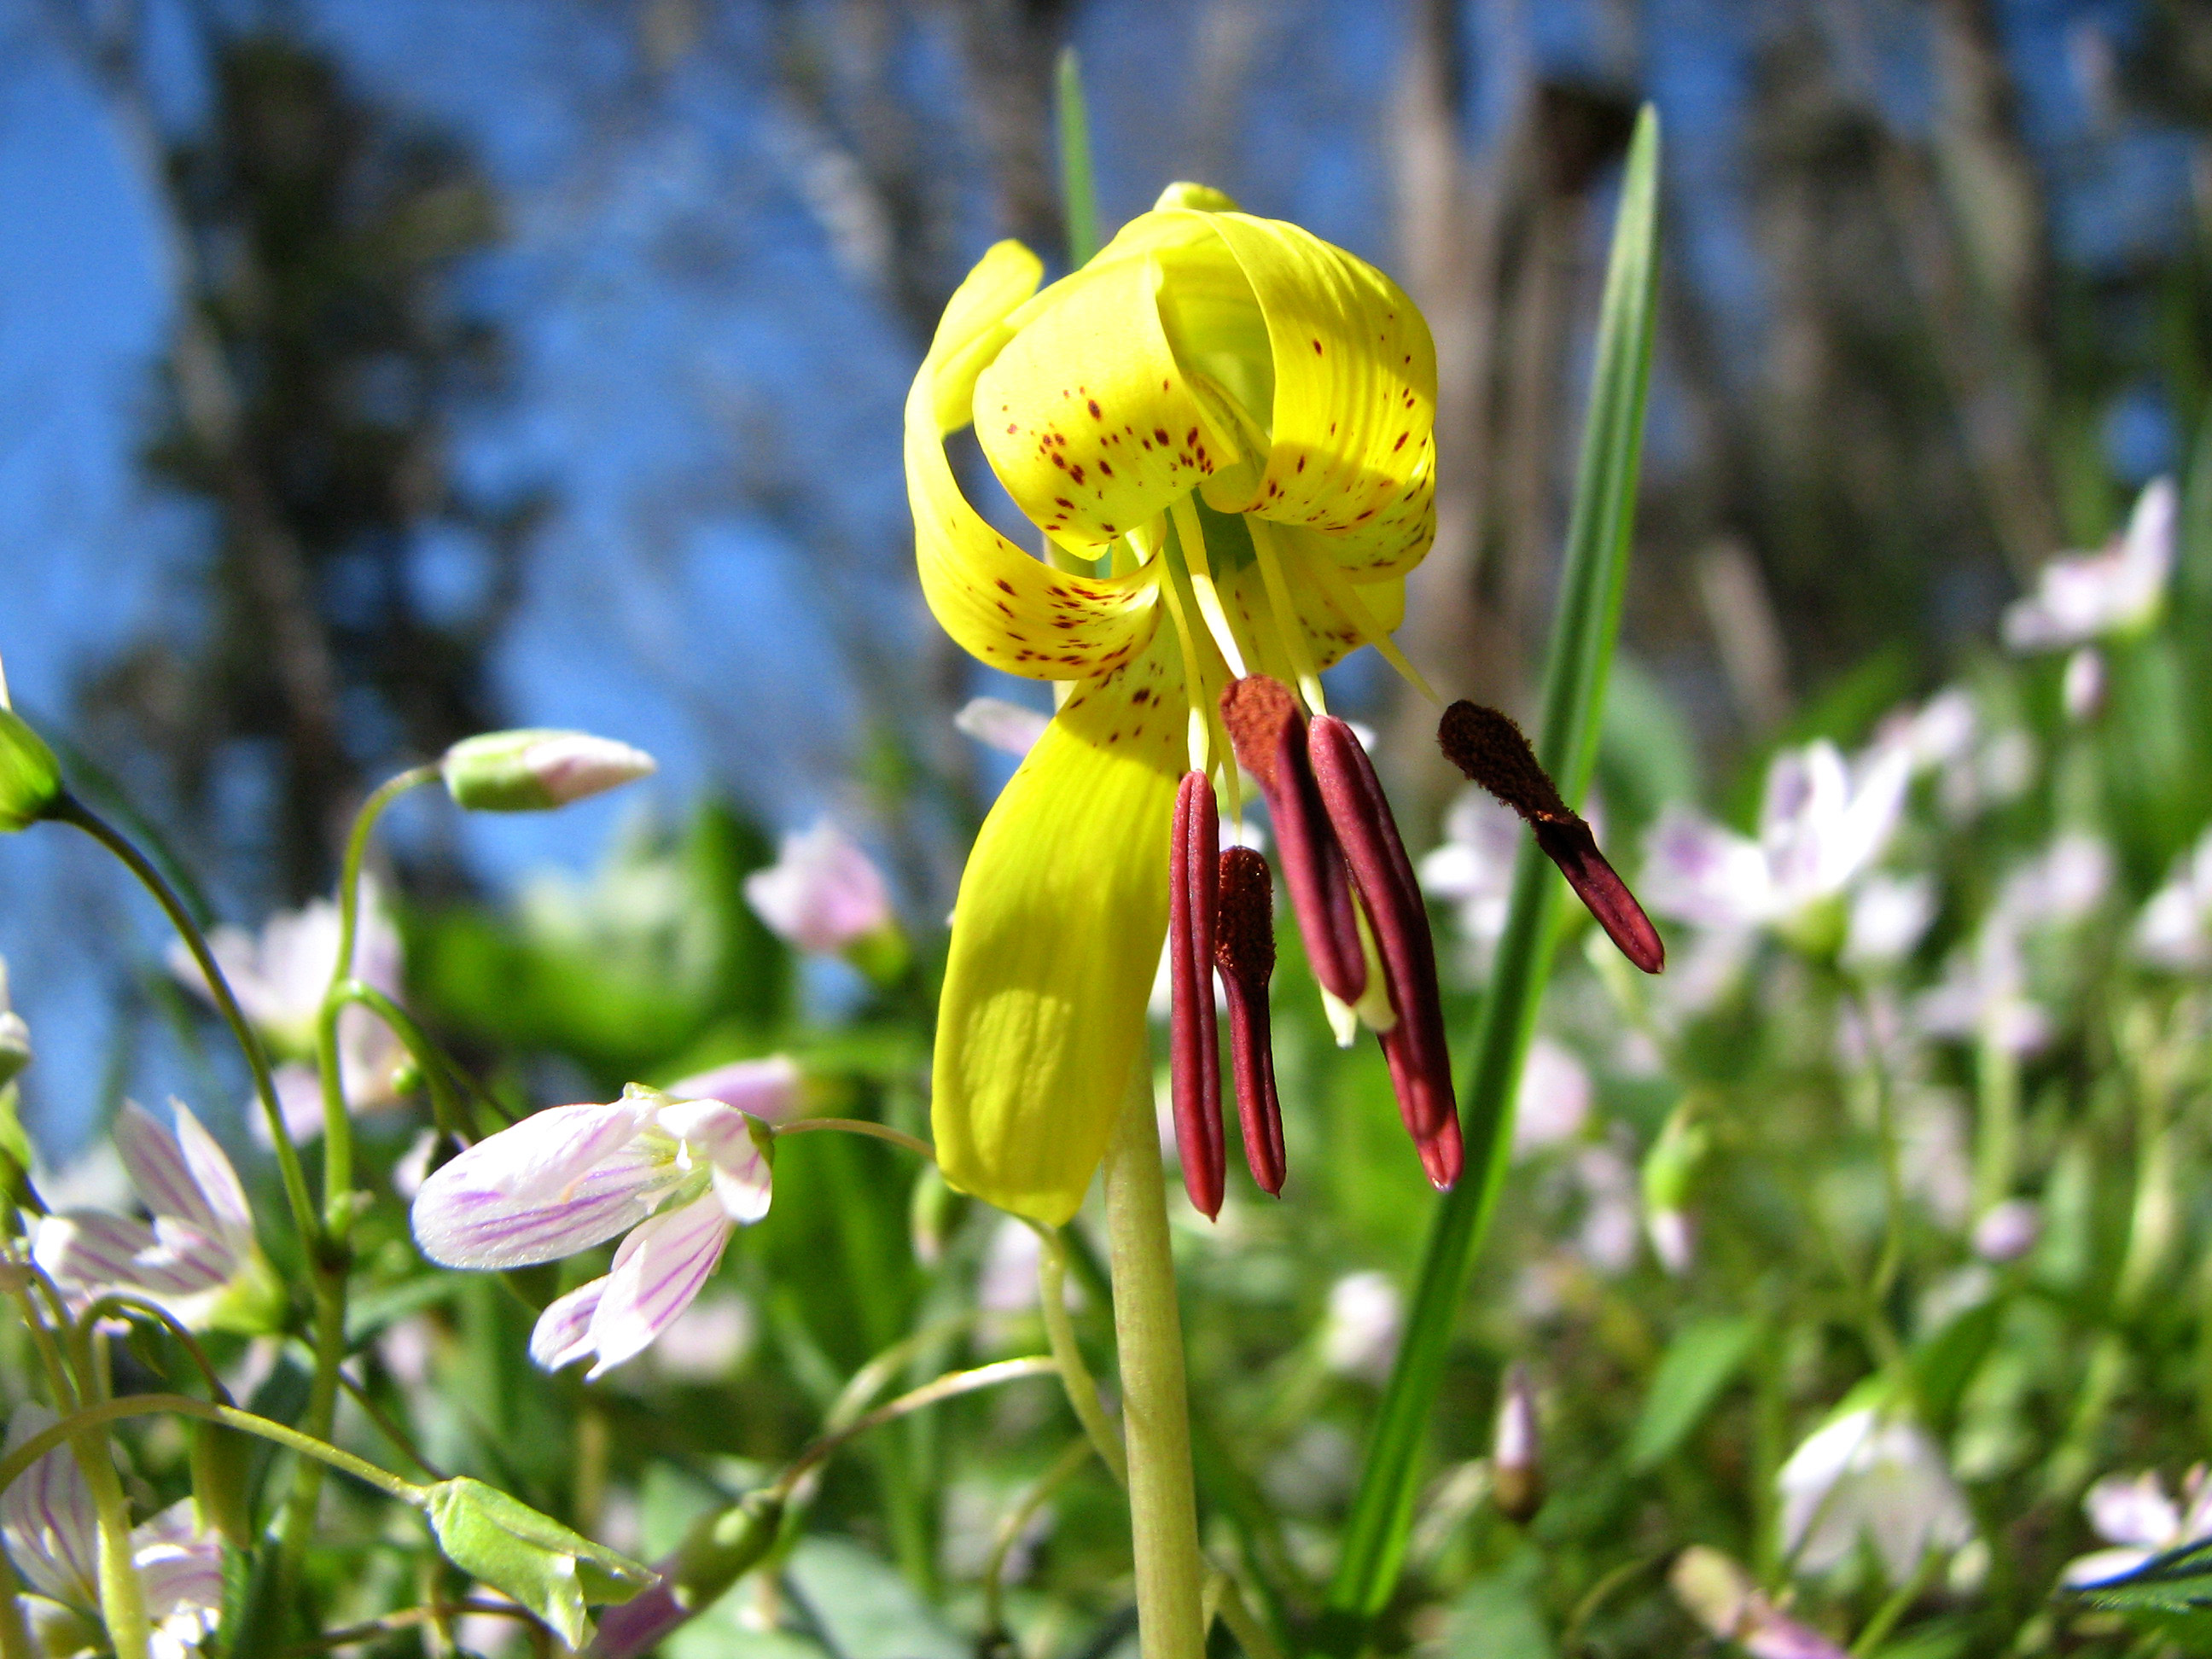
<point>1268,734</point>
<point>1487,745</point>
<point>1244,950</point>
<point>1194,1047</point>
<point>1360,814</point>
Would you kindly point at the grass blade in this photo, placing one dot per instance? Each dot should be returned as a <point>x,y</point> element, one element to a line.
<point>1583,637</point>
<point>1078,191</point>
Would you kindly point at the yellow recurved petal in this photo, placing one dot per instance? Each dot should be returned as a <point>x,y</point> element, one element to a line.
<point>1005,607</point>
<point>1353,449</point>
<point>1085,414</point>
<point>1055,939</point>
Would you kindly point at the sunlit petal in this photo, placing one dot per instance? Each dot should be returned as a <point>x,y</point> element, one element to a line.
<point>47,1520</point>
<point>656,1273</point>
<point>550,1186</point>
<point>1061,914</point>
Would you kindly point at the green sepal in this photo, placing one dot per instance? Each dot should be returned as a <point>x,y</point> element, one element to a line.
<point>502,1541</point>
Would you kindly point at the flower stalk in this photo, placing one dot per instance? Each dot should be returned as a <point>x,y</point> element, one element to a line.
<point>1155,1408</point>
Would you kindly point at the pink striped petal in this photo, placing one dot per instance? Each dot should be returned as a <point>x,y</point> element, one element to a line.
<point>722,1135</point>
<point>562,1333</point>
<point>47,1521</point>
<point>87,1251</point>
<point>766,1089</point>
<point>184,1173</point>
<point>556,1183</point>
<point>180,1573</point>
<point>657,1271</point>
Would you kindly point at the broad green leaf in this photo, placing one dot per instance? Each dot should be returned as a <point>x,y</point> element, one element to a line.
<point>1079,192</point>
<point>502,1541</point>
<point>1944,1364</point>
<point>1583,638</point>
<point>1703,1359</point>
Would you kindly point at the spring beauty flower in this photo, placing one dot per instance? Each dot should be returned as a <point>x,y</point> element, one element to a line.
<point>52,1534</point>
<point>679,1172</point>
<point>1874,1477</point>
<point>197,1255</point>
<point>1233,418</point>
<point>279,978</point>
<point>823,893</point>
<point>1727,1600</point>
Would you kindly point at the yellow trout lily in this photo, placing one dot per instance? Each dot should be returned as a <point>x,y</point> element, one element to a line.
<point>1222,425</point>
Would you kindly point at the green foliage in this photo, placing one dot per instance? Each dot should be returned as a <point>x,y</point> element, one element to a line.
<point>1706,1356</point>
<point>551,1570</point>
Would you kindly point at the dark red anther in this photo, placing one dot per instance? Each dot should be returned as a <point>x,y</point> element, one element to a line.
<point>1360,815</point>
<point>1245,948</point>
<point>1194,1050</point>
<point>1269,737</point>
<point>1487,745</point>
<point>1443,1154</point>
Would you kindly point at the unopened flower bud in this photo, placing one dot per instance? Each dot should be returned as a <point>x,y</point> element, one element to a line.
<point>1517,1475</point>
<point>533,771</point>
<point>30,777</point>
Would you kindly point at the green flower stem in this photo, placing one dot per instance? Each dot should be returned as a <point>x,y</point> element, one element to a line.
<point>861,1126</point>
<point>1073,1456</point>
<point>1154,1403</point>
<point>445,1107</point>
<point>127,1302</point>
<point>331,1264</point>
<point>122,1597</point>
<point>338,1123</point>
<point>183,1405</point>
<point>1886,1616</point>
<point>929,1394</point>
<point>1078,191</point>
<point>1996,1127</point>
<point>1059,1329</point>
<point>14,1633</point>
<point>69,809</point>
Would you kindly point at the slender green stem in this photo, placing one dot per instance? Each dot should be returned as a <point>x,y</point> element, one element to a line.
<point>1073,1456</point>
<point>861,1126</point>
<point>1892,1167</point>
<point>929,1394</point>
<point>1154,1403</point>
<point>430,1060</point>
<point>1886,1616</point>
<point>122,1596</point>
<point>1235,1613</point>
<point>1074,1372</point>
<point>331,1264</point>
<point>69,809</point>
<point>183,1405</point>
<point>14,1633</point>
<point>129,1301</point>
<point>872,1378</point>
<point>337,1122</point>
<point>1996,1128</point>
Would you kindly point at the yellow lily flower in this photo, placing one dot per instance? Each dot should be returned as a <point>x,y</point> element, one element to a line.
<point>1230,421</point>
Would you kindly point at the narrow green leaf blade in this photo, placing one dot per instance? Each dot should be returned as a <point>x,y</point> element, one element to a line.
<point>1702,1360</point>
<point>1583,638</point>
<point>1079,192</point>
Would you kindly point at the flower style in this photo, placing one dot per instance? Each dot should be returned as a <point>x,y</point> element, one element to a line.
<point>197,1256</point>
<point>2081,597</point>
<point>2136,1516</point>
<point>52,1534</point>
<point>821,894</point>
<point>1819,826</point>
<point>1872,1476</point>
<point>677,1171</point>
<point>279,979</point>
